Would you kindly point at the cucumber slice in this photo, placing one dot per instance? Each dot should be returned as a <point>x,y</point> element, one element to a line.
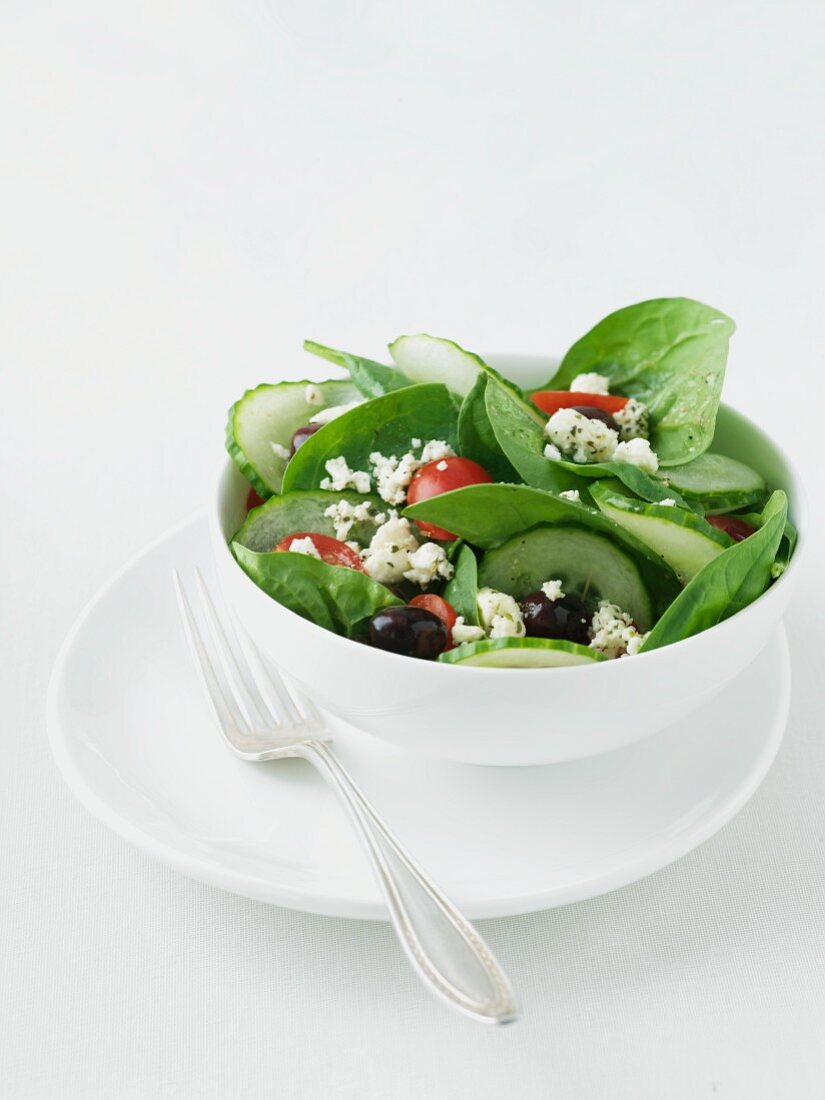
<point>301,510</point>
<point>270,414</point>
<point>583,560</point>
<point>432,359</point>
<point>719,483</point>
<point>685,541</point>
<point>521,653</point>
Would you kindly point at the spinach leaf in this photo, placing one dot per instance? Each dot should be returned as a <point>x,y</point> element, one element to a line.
<point>488,515</point>
<point>734,579</point>
<point>651,489</point>
<point>461,591</point>
<point>669,353</point>
<point>333,596</point>
<point>521,437</point>
<point>302,510</point>
<point>387,424</point>
<point>371,378</point>
<point>476,438</point>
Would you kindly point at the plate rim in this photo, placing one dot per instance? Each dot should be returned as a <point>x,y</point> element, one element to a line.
<point>668,848</point>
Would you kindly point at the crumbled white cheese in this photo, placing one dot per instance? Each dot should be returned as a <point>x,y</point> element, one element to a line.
<point>572,494</point>
<point>613,632</point>
<point>435,449</point>
<point>500,614</point>
<point>415,444</point>
<point>393,475</point>
<point>304,546</point>
<point>585,440</point>
<point>632,419</point>
<point>553,590</point>
<point>668,502</point>
<point>637,452</point>
<point>332,413</point>
<point>345,515</point>
<point>465,632</point>
<point>552,452</point>
<point>342,477</point>
<point>280,451</point>
<point>442,465</point>
<point>387,558</point>
<point>777,569</point>
<point>428,563</point>
<point>590,383</point>
<point>313,395</point>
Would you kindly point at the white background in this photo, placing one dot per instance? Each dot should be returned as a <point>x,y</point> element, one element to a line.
<point>189,190</point>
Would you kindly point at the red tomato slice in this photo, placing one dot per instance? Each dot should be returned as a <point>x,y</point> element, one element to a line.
<point>550,401</point>
<point>731,526</point>
<point>331,550</point>
<point>442,476</point>
<point>439,607</point>
<point>253,500</point>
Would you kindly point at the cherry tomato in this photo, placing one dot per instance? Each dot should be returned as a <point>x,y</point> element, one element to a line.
<point>442,476</point>
<point>731,526</point>
<point>331,550</point>
<point>440,607</point>
<point>550,401</point>
<point>252,500</point>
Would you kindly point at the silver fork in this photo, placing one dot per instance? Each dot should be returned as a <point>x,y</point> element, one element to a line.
<point>261,719</point>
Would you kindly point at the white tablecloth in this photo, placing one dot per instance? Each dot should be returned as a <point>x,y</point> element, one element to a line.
<point>188,191</point>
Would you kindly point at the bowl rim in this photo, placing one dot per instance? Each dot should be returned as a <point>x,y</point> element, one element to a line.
<point>801,515</point>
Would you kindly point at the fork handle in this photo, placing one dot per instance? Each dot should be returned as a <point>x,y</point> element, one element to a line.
<point>444,948</point>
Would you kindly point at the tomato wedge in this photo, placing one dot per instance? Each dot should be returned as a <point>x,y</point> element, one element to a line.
<point>442,476</point>
<point>332,551</point>
<point>736,528</point>
<point>440,608</point>
<point>550,401</point>
<point>253,500</point>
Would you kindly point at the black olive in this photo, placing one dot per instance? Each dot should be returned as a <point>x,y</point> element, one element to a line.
<point>410,631</point>
<point>301,435</point>
<point>593,413</point>
<point>566,618</point>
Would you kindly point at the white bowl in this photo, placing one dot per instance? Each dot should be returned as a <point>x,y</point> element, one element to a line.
<point>513,716</point>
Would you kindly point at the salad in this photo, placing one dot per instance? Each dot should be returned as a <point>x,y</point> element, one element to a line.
<point>434,509</point>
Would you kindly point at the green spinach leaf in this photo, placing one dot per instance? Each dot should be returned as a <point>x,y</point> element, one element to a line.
<point>333,596</point>
<point>387,424</point>
<point>462,590</point>
<point>734,579</point>
<point>669,353</point>
<point>476,438</point>
<point>371,378</point>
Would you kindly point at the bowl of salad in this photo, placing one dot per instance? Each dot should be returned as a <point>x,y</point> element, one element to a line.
<point>492,560</point>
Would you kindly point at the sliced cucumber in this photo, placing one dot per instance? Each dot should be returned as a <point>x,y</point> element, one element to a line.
<point>302,510</point>
<point>521,653</point>
<point>584,561</point>
<point>432,359</point>
<point>270,414</point>
<point>686,541</point>
<point>719,483</point>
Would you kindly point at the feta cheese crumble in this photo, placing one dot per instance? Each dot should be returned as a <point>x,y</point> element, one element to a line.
<point>280,451</point>
<point>332,413</point>
<point>500,614</point>
<point>387,557</point>
<point>345,515</point>
<point>342,477</point>
<point>466,632</point>
<point>637,452</point>
<point>313,395</point>
<point>435,449</point>
<point>572,494</point>
<point>552,590</point>
<point>613,632</point>
<point>393,475</point>
<point>590,383</point>
<point>585,440</point>
<point>428,563</point>
<point>304,546</point>
<point>552,452</point>
<point>668,502</point>
<point>632,419</point>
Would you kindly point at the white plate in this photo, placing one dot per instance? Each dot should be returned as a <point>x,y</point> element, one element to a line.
<point>134,739</point>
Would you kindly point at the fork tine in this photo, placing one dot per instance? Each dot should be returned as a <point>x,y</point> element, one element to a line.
<point>226,713</point>
<point>273,688</point>
<point>241,681</point>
